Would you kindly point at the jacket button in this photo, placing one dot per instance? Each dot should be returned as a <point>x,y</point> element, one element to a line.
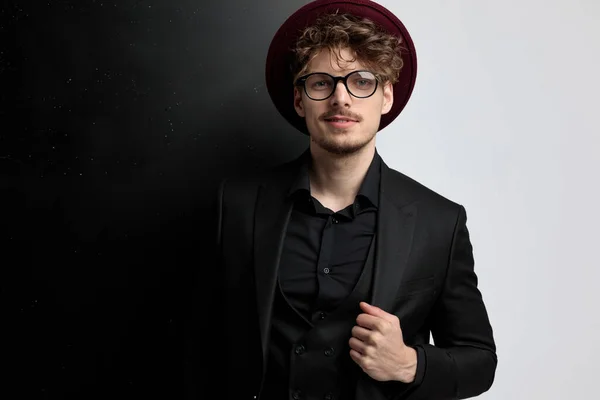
<point>299,349</point>
<point>329,352</point>
<point>296,395</point>
<point>328,396</point>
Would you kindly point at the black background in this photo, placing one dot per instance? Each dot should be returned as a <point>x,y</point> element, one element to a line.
<point>117,121</point>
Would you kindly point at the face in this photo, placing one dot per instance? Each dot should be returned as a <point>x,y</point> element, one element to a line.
<point>342,124</point>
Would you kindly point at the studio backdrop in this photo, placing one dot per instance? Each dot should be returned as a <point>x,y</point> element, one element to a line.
<point>119,119</point>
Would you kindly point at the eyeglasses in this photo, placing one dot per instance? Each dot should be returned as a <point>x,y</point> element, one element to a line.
<point>320,86</point>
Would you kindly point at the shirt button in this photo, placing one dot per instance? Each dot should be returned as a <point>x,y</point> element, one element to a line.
<point>329,352</point>
<point>299,350</point>
<point>326,270</point>
<point>322,315</point>
<point>296,395</point>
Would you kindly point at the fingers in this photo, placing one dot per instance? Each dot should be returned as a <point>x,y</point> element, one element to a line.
<point>358,346</point>
<point>361,333</point>
<point>364,340</point>
<point>356,356</point>
<point>376,311</point>
<point>368,321</point>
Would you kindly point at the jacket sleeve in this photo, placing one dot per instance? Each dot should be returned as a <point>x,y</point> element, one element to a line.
<point>463,362</point>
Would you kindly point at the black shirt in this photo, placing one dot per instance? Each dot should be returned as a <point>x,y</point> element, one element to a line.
<point>324,252</point>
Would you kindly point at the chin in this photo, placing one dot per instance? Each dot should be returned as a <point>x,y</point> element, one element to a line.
<point>340,145</point>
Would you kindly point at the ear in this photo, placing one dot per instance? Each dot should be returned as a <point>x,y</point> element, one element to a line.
<point>298,104</point>
<point>388,98</point>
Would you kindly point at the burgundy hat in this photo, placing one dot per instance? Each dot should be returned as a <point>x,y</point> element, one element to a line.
<point>279,77</point>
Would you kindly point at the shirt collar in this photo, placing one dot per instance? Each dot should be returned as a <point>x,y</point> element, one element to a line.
<point>369,189</point>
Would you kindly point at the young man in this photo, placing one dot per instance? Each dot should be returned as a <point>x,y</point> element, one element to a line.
<point>337,268</point>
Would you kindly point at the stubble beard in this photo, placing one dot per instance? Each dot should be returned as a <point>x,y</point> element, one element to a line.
<point>330,145</point>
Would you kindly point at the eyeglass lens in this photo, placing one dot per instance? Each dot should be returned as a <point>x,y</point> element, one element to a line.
<point>358,83</point>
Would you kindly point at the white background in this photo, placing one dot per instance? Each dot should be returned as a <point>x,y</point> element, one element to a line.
<point>504,120</point>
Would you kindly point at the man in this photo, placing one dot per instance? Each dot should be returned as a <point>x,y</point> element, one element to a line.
<point>337,268</point>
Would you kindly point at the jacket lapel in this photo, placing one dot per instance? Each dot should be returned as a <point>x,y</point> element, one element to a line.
<point>271,219</point>
<point>395,226</point>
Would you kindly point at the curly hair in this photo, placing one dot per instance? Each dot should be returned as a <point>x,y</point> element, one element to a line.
<point>379,51</point>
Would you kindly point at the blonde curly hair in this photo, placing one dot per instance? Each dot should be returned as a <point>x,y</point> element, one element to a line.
<point>379,51</point>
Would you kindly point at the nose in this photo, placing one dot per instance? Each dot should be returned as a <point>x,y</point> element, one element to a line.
<point>340,96</point>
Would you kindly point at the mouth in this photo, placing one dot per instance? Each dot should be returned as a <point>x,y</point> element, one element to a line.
<point>340,121</point>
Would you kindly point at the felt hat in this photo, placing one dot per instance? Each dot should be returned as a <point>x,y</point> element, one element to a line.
<point>279,79</point>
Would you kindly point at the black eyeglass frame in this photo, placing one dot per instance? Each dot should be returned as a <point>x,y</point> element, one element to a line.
<point>301,81</point>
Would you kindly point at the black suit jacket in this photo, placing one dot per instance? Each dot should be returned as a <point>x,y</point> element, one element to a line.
<point>423,274</point>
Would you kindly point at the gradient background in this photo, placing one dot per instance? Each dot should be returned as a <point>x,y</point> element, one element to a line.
<point>118,119</point>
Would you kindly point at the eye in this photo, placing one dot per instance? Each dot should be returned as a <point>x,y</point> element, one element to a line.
<point>320,84</point>
<point>364,83</point>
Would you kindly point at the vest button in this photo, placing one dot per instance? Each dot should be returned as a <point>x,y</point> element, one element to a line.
<point>329,352</point>
<point>299,349</point>
<point>296,395</point>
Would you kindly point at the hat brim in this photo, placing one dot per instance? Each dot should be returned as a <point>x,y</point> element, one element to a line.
<point>279,79</point>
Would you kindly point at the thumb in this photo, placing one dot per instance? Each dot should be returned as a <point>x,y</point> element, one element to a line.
<point>373,310</point>
<point>376,311</point>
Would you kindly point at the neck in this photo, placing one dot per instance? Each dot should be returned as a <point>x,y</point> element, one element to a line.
<point>335,179</point>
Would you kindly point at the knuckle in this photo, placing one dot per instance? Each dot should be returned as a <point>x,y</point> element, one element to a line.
<point>374,338</point>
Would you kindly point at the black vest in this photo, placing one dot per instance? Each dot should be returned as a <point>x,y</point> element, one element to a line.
<point>310,360</point>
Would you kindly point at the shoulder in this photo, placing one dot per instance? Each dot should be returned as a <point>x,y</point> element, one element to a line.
<point>249,181</point>
<point>403,189</point>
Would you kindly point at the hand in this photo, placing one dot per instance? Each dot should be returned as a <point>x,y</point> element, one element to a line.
<point>377,346</point>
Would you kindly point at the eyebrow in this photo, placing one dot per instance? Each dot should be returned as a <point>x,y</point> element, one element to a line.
<point>336,73</point>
